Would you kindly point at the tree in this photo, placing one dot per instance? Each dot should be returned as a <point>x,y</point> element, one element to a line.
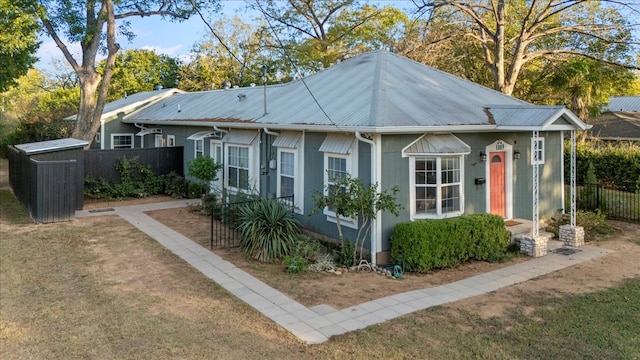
<point>19,39</point>
<point>92,23</point>
<point>140,70</point>
<point>349,198</point>
<point>315,34</point>
<point>233,51</point>
<point>205,170</point>
<point>514,33</point>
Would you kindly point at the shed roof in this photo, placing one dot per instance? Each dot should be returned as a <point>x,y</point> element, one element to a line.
<point>51,146</point>
<point>617,126</point>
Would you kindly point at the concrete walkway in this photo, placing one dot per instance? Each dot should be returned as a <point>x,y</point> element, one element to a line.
<point>317,324</point>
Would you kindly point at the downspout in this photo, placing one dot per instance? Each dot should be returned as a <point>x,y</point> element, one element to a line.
<point>220,130</point>
<point>141,137</point>
<point>102,139</point>
<point>269,132</point>
<point>374,233</point>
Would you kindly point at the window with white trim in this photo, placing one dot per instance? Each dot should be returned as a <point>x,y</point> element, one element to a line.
<point>160,141</point>
<point>336,170</point>
<point>436,186</point>
<point>198,147</point>
<point>238,167</point>
<point>121,141</point>
<point>286,173</point>
<point>537,150</point>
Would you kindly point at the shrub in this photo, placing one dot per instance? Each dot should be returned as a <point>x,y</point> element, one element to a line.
<point>344,253</point>
<point>593,222</point>
<point>435,244</point>
<point>194,190</point>
<point>204,169</point>
<point>305,248</point>
<point>295,264</point>
<point>175,185</point>
<point>267,228</point>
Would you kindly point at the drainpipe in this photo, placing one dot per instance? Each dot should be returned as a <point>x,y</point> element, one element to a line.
<point>141,137</point>
<point>269,132</point>
<point>375,233</point>
<point>102,139</point>
<point>220,130</point>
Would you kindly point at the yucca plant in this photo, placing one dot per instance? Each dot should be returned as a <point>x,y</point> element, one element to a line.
<point>268,230</point>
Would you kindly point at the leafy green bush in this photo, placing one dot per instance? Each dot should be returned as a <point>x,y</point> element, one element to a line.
<point>435,244</point>
<point>295,264</point>
<point>305,248</point>
<point>204,169</point>
<point>194,190</point>
<point>175,185</point>
<point>267,228</point>
<point>344,253</point>
<point>136,180</point>
<point>616,165</point>
<point>593,223</point>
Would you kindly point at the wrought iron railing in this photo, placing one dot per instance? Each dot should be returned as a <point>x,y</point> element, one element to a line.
<point>615,204</point>
<point>225,220</point>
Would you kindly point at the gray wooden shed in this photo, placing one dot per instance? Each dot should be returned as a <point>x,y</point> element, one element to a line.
<point>47,177</point>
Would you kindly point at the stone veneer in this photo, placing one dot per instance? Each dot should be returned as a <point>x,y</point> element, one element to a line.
<point>533,246</point>
<point>572,236</point>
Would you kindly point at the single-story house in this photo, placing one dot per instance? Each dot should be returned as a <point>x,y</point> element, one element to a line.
<point>114,111</point>
<point>452,147</point>
<point>620,121</point>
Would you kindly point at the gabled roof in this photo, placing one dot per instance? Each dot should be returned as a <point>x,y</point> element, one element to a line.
<point>624,103</point>
<point>131,103</point>
<point>374,92</point>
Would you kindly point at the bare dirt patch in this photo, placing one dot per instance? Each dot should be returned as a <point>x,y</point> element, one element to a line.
<point>352,288</point>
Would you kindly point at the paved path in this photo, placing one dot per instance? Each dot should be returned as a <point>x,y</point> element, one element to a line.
<point>317,324</point>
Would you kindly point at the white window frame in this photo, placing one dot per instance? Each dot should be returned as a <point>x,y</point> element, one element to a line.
<point>294,176</point>
<point>160,140</point>
<point>113,137</point>
<point>171,140</point>
<point>228,165</point>
<point>537,156</point>
<point>439,214</point>
<point>352,170</point>
<point>198,150</point>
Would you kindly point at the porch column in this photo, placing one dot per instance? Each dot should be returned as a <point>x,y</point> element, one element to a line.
<point>572,234</point>
<point>534,245</point>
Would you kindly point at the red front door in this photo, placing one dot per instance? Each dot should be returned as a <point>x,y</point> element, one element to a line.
<point>497,196</point>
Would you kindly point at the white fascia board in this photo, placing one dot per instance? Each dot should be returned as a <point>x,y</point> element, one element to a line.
<point>324,128</point>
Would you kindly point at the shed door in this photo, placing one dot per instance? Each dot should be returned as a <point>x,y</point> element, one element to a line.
<point>497,183</point>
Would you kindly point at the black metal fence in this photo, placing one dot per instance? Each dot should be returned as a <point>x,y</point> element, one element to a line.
<point>224,220</point>
<point>100,164</point>
<point>615,204</point>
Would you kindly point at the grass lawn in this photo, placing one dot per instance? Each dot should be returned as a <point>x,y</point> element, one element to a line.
<point>65,295</point>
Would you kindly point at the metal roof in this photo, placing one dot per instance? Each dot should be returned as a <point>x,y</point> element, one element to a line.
<point>624,103</point>
<point>378,90</point>
<point>288,139</point>
<point>51,146</point>
<point>242,137</point>
<point>431,144</point>
<point>132,102</point>
<point>337,143</point>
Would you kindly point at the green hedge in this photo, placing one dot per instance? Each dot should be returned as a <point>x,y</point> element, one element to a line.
<point>616,165</point>
<point>435,244</point>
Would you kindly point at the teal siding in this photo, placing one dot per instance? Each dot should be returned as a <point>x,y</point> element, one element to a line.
<point>396,172</point>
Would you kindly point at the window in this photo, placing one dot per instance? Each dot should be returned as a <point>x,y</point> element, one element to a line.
<point>160,141</point>
<point>198,146</point>
<point>336,171</point>
<point>238,167</point>
<point>537,150</point>
<point>171,140</point>
<point>436,186</point>
<point>287,172</point>
<point>121,141</point>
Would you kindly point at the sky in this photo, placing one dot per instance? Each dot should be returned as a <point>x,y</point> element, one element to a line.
<point>164,37</point>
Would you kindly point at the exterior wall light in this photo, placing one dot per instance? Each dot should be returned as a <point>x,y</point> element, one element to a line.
<point>516,154</point>
<point>483,156</point>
